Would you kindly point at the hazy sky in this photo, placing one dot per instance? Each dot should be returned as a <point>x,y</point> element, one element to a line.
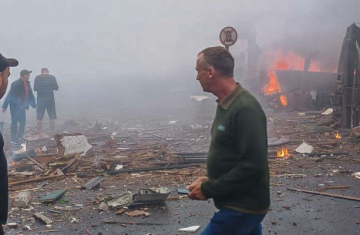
<point>108,40</point>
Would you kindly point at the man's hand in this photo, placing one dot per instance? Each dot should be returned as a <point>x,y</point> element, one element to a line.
<point>195,189</point>
<point>196,193</point>
<point>198,180</point>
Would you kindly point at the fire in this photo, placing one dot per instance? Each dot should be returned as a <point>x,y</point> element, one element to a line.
<point>284,61</point>
<point>283,100</point>
<point>337,136</point>
<point>283,153</point>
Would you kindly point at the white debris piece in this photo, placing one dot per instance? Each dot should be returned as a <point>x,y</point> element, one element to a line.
<point>172,122</point>
<point>44,149</point>
<point>304,148</point>
<point>328,111</point>
<point>21,150</point>
<point>113,135</point>
<point>192,229</point>
<point>356,175</point>
<point>125,199</point>
<point>75,144</point>
<point>119,167</point>
<point>199,97</point>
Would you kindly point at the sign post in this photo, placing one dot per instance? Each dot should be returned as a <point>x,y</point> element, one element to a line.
<point>228,36</point>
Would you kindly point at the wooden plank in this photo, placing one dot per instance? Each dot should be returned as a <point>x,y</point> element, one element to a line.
<point>71,162</point>
<point>93,182</point>
<point>43,218</point>
<point>34,180</point>
<point>36,163</point>
<point>325,194</point>
<point>22,199</point>
<point>59,172</point>
<point>53,196</point>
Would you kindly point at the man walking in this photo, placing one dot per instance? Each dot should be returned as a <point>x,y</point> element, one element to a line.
<point>45,85</point>
<point>237,165</point>
<point>20,97</point>
<point>4,194</point>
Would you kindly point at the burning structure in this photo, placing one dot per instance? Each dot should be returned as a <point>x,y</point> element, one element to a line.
<point>294,82</point>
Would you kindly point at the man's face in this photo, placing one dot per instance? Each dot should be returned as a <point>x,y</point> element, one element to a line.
<point>5,74</point>
<point>26,77</point>
<point>203,74</point>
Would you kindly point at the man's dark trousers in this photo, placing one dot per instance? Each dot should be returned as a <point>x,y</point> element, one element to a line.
<point>18,114</point>
<point>4,195</point>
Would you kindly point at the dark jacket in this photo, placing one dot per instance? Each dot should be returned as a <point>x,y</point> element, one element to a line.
<point>16,96</point>
<point>45,85</point>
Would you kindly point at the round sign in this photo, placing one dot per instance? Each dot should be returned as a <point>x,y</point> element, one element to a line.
<point>228,36</point>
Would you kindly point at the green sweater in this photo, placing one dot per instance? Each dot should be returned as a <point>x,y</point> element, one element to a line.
<point>237,163</point>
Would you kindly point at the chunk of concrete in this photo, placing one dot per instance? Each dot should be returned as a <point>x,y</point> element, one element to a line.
<point>22,199</point>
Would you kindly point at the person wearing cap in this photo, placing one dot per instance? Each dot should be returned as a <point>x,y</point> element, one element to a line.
<point>20,97</point>
<point>4,194</point>
<point>45,85</point>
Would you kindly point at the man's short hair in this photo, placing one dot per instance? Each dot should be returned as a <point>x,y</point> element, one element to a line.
<point>44,70</point>
<point>220,59</point>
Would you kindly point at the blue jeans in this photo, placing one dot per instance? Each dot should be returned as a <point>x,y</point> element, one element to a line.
<point>231,222</point>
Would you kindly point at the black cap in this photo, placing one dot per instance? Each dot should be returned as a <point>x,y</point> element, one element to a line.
<point>25,72</point>
<point>44,70</point>
<point>7,62</point>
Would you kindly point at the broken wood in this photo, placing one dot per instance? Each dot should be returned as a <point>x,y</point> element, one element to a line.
<point>43,218</point>
<point>34,180</point>
<point>111,221</point>
<point>336,187</point>
<point>71,162</point>
<point>151,169</point>
<point>36,163</point>
<point>67,208</point>
<point>93,182</point>
<point>325,194</point>
<point>59,172</point>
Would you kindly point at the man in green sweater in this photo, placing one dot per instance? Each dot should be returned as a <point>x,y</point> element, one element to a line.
<point>237,165</point>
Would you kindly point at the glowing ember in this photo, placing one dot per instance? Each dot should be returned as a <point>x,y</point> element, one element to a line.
<point>283,100</point>
<point>337,136</point>
<point>283,153</point>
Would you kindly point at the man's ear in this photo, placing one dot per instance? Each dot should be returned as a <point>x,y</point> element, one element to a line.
<point>211,72</point>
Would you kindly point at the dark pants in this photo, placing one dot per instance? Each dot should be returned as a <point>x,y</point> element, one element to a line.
<point>43,105</point>
<point>4,194</point>
<point>228,221</point>
<point>18,115</point>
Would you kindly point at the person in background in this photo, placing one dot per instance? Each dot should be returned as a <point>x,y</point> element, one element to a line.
<point>237,165</point>
<point>5,65</point>
<point>20,97</point>
<point>45,85</point>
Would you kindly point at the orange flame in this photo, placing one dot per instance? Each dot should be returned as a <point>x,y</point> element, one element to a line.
<point>283,153</point>
<point>283,100</point>
<point>282,61</point>
<point>337,136</point>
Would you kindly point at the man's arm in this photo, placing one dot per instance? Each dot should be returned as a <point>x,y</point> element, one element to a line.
<point>7,100</point>
<point>32,101</point>
<point>251,137</point>
<point>36,84</point>
<point>55,85</point>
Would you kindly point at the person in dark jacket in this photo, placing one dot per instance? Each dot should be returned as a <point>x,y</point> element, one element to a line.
<point>45,85</point>
<point>237,164</point>
<point>20,97</point>
<point>4,194</point>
